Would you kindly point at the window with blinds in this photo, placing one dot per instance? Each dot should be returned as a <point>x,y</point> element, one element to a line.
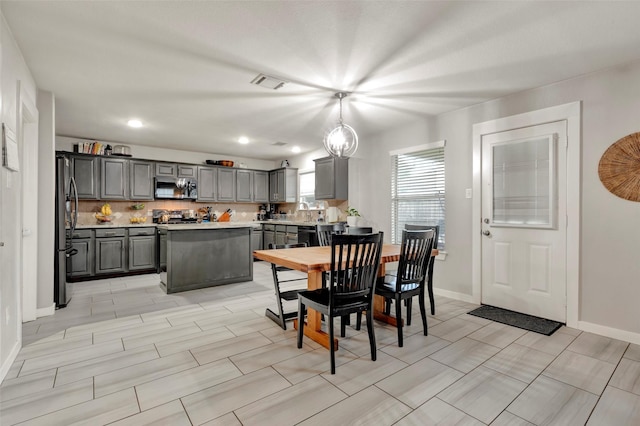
<point>308,188</point>
<point>417,189</point>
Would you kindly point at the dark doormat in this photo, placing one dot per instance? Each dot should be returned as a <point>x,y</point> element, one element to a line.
<point>516,319</point>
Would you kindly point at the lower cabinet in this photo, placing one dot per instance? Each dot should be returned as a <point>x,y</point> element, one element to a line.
<point>115,251</point>
<point>111,251</point>
<point>256,239</point>
<point>81,264</point>
<point>268,235</point>
<point>142,249</point>
<point>281,235</point>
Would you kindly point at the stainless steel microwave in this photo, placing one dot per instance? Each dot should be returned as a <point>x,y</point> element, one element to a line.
<point>176,188</point>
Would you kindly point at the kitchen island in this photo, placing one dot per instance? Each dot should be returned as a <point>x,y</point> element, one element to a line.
<point>204,255</point>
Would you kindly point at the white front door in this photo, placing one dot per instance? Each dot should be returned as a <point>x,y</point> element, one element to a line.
<point>524,249</point>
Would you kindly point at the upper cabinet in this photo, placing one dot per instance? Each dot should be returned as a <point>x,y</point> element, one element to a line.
<point>167,169</point>
<point>207,183</point>
<point>187,171</point>
<point>283,185</point>
<point>114,179</point>
<point>252,186</point>
<point>86,172</point>
<point>226,184</point>
<point>176,170</point>
<point>244,185</point>
<point>332,178</point>
<point>141,175</point>
<point>260,186</point>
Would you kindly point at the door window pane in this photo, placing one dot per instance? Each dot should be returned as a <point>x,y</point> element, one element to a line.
<point>523,183</point>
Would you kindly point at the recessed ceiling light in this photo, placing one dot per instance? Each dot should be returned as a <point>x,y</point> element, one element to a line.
<point>134,123</point>
<point>295,149</point>
<point>243,140</point>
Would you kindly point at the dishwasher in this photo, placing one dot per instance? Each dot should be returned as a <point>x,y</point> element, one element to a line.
<point>307,234</point>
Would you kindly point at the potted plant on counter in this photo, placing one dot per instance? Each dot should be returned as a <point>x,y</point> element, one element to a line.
<point>352,216</point>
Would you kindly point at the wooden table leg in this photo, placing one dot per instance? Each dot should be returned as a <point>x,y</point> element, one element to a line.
<point>313,325</point>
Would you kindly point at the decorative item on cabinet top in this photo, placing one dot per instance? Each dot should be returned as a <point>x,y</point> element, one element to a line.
<point>121,150</point>
<point>224,163</point>
<point>619,168</point>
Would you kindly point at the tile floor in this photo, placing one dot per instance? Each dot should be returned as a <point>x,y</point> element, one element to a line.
<point>125,353</point>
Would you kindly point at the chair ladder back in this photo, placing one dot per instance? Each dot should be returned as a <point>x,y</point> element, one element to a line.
<point>415,256</point>
<point>324,232</point>
<point>354,265</point>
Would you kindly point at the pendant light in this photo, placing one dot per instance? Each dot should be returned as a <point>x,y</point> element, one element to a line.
<point>342,141</point>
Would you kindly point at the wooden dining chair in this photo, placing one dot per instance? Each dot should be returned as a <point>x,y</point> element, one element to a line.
<point>359,230</point>
<point>355,260</point>
<point>324,233</point>
<point>281,317</point>
<point>432,302</point>
<point>415,256</point>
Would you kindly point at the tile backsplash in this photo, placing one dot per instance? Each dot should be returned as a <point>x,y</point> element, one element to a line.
<point>242,212</point>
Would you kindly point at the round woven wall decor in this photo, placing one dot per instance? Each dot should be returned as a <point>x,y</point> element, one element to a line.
<point>619,168</point>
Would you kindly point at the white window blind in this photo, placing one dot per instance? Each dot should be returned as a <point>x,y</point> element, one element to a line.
<point>417,190</point>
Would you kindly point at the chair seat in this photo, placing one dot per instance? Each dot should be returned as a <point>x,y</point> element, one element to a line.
<point>390,285</point>
<point>319,300</point>
<point>289,295</point>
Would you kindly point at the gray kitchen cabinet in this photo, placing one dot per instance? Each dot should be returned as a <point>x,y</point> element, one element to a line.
<point>332,178</point>
<point>114,179</point>
<point>111,251</point>
<point>260,186</point>
<point>187,171</point>
<point>167,169</point>
<point>244,185</point>
<point>256,239</point>
<point>86,172</point>
<point>141,175</point>
<point>207,183</point>
<point>81,264</point>
<point>291,235</point>
<point>268,235</point>
<point>162,247</point>
<point>142,249</point>
<point>283,185</point>
<point>281,234</point>
<point>226,184</point>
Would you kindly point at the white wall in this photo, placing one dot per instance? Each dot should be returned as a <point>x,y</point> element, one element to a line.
<point>12,70</point>
<point>64,143</point>
<point>46,198</point>
<point>609,288</point>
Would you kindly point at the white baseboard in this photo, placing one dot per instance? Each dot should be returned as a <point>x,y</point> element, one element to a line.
<point>4,369</point>
<point>45,312</point>
<point>613,333</point>
<point>453,295</point>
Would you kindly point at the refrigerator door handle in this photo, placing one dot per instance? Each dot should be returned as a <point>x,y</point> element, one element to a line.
<point>74,195</point>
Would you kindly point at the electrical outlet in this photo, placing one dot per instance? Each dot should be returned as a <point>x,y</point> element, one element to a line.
<point>468,193</point>
<point>6,315</point>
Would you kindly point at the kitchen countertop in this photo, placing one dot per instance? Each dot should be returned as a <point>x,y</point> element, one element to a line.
<point>199,225</point>
<point>209,225</point>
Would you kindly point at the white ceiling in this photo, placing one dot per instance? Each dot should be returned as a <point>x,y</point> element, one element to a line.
<point>184,68</point>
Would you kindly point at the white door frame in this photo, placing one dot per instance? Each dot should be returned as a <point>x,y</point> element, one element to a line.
<point>27,125</point>
<point>570,112</point>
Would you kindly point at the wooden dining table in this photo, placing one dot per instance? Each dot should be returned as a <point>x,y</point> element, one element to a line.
<point>316,260</point>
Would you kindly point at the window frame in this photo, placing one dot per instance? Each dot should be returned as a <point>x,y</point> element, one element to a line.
<point>438,154</point>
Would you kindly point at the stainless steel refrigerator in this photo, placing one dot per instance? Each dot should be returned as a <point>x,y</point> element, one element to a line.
<point>66,220</point>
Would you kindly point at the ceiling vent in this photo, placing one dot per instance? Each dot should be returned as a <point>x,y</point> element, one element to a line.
<point>268,81</point>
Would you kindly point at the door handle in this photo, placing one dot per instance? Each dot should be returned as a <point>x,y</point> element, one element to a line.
<point>486,233</point>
